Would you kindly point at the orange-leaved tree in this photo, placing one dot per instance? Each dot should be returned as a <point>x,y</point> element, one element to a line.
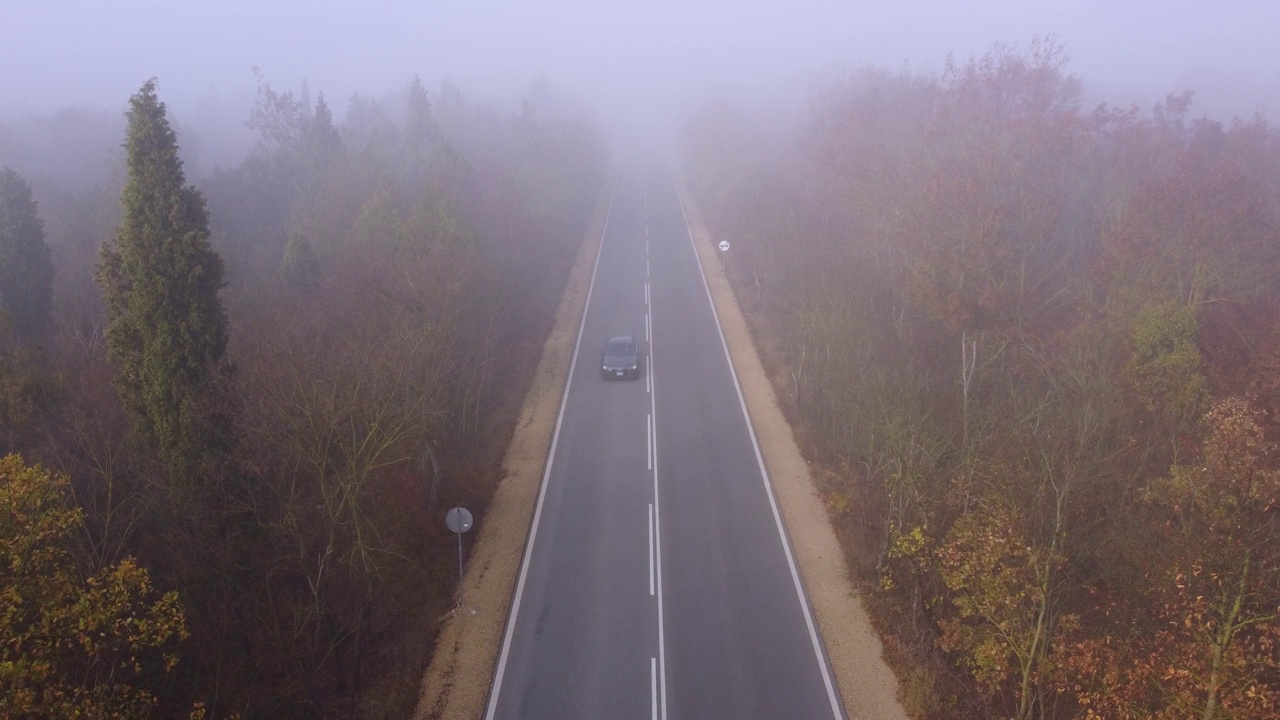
<point>1207,642</point>
<point>70,646</point>
<point>1222,600</point>
<point>1001,585</point>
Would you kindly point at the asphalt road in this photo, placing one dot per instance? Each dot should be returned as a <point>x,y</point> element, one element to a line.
<point>656,582</point>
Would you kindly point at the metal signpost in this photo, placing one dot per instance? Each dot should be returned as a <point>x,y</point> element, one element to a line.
<point>459,520</point>
<point>724,248</point>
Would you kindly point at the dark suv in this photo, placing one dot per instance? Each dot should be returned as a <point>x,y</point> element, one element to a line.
<point>621,358</point>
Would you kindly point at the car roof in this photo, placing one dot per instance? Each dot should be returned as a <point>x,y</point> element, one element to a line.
<point>621,339</point>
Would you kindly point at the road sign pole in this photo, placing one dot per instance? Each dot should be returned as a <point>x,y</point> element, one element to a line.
<point>459,521</point>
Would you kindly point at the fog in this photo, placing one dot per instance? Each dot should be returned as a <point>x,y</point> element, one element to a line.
<point>635,64</point>
<point>260,389</point>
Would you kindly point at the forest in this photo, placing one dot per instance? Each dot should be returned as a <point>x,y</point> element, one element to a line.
<point>236,402</point>
<point>234,408</point>
<point>1075,516</point>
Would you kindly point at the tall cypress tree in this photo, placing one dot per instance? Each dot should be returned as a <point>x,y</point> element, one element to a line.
<point>420,127</point>
<point>421,135</point>
<point>167,330</point>
<point>26,270</point>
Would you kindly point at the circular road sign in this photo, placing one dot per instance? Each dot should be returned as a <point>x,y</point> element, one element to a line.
<point>458,520</point>
<point>724,245</point>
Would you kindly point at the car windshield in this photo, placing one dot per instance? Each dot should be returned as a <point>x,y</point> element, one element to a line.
<point>620,347</point>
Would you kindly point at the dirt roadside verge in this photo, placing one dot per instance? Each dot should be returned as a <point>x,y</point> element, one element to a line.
<point>865,682</point>
<point>457,680</point>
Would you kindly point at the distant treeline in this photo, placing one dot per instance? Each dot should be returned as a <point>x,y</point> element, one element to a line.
<point>1035,348</point>
<point>233,415</point>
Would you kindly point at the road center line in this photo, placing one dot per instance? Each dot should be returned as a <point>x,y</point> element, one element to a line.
<point>657,531</point>
<point>653,685</point>
<point>651,548</point>
<point>648,447</point>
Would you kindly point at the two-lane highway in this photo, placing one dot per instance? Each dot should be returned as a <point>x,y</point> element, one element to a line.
<point>656,582</point>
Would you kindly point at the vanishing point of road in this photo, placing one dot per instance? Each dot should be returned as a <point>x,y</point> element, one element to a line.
<point>657,580</point>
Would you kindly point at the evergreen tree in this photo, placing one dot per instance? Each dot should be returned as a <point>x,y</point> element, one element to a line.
<point>300,267</point>
<point>26,270</point>
<point>167,330</point>
<point>320,139</point>
<point>304,99</point>
<point>421,127</point>
<point>421,134</point>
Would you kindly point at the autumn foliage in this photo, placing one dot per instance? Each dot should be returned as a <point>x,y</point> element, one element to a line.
<point>288,371</point>
<point>74,646</point>
<point>1035,344</point>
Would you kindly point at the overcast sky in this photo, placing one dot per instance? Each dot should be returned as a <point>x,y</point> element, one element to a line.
<point>97,52</point>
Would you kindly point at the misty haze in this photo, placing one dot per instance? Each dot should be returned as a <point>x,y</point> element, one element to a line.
<point>795,360</point>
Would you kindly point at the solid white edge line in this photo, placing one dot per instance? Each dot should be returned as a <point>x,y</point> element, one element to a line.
<point>818,650</point>
<point>507,633</point>
<point>651,548</point>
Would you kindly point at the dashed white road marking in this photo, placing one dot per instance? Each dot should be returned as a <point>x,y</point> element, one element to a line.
<point>661,682</point>
<point>648,449</point>
<point>653,685</point>
<point>651,548</point>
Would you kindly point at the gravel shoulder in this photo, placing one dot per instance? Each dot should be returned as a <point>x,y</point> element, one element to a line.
<point>866,684</point>
<point>456,683</point>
